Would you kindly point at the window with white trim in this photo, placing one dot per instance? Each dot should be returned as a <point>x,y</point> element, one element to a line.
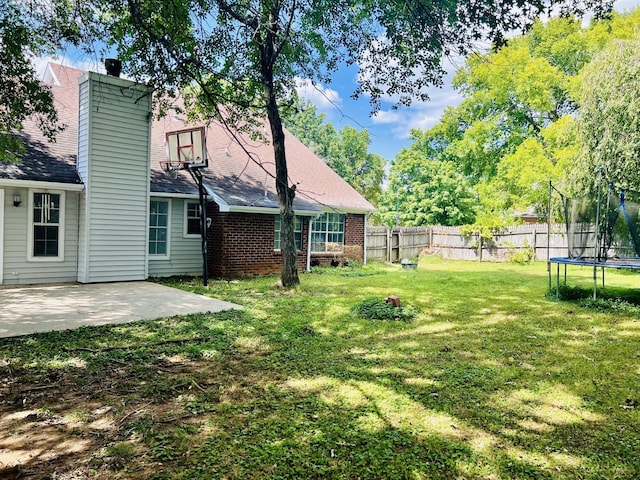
<point>159,227</point>
<point>46,216</point>
<point>297,232</point>
<point>191,219</point>
<point>327,233</point>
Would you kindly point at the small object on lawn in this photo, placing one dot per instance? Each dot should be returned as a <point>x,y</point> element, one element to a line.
<point>393,300</point>
<point>408,264</point>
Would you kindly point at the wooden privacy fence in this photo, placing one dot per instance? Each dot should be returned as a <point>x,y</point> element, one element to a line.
<point>396,244</point>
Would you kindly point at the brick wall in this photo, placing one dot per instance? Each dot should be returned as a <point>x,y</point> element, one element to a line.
<point>241,244</point>
<point>354,237</point>
<point>353,243</point>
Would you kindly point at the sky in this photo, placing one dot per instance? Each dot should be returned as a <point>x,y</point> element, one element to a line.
<point>389,130</point>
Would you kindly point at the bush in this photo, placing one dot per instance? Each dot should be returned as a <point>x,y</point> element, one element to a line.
<point>522,255</point>
<point>611,305</point>
<point>376,309</point>
<point>605,303</point>
<point>566,292</point>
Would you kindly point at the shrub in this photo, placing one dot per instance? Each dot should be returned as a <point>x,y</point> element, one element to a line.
<point>521,255</point>
<point>611,305</point>
<point>377,309</point>
<point>566,292</point>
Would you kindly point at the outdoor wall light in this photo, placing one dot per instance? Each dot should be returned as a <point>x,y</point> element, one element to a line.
<point>17,200</point>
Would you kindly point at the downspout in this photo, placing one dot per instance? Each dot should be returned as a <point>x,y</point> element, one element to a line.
<point>366,218</point>
<point>309,244</point>
<point>78,204</point>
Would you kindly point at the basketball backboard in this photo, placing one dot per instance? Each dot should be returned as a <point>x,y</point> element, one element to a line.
<point>187,147</point>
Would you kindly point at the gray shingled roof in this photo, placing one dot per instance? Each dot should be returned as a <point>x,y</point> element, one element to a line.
<point>41,163</point>
<point>51,162</point>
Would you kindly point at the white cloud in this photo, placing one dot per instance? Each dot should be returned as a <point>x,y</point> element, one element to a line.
<point>384,117</point>
<point>322,97</point>
<point>421,114</point>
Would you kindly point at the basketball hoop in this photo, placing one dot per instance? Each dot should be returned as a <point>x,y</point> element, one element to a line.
<point>187,147</point>
<point>171,167</point>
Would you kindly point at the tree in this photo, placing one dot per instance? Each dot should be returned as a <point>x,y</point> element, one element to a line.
<point>426,192</point>
<point>523,176</point>
<point>364,171</point>
<point>28,29</point>
<point>344,151</point>
<point>22,96</point>
<point>516,128</point>
<point>512,94</point>
<point>246,55</point>
<point>312,129</point>
<point>609,119</point>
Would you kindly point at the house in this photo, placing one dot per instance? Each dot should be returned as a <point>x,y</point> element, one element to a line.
<point>98,205</point>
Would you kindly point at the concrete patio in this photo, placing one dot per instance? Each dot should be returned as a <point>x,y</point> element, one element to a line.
<point>33,309</point>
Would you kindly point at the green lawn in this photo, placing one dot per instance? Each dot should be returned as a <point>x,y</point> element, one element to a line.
<point>490,380</point>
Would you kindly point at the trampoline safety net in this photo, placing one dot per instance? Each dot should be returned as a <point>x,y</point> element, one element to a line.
<point>616,231</point>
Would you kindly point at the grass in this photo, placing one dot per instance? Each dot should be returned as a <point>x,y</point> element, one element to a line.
<point>490,380</point>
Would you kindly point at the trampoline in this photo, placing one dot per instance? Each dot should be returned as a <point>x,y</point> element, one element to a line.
<point>602,232</point>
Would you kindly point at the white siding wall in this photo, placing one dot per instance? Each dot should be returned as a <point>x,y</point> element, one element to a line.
<point>83,132</point>
<point>17,269</point>
<point>185,256</point>
<point>114,164</point>
<point>1,235</point>
<point>82,167</point>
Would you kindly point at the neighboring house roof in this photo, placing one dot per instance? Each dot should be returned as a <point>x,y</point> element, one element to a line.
<point>235,182</point>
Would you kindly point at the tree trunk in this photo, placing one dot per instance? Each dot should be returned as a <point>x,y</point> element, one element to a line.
<point>286,193</point>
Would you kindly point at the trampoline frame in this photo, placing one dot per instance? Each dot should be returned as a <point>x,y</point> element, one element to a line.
<point>594,262</point>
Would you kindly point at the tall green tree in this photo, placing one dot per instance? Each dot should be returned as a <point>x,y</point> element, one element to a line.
<point>345,151</point>
<point>364,171</point>
<point>516,128</point>
<point>246,55</point>
<point>609,117</point>
<point>313,129</point>
<point>426,192</point>
<point>510,95</point>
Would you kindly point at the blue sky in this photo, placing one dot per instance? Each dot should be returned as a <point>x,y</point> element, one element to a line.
<point>389,130</point>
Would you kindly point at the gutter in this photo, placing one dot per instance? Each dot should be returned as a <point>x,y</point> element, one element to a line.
<point>226,208</point>
<point>69,187</point>
<point>190,196</point>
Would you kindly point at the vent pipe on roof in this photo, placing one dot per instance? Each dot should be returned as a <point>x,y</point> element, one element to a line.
<point>113,66</point>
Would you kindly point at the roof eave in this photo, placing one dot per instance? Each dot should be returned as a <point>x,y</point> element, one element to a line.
<point>354,210</point>
<point>11,182</point>
<point>270,210</point>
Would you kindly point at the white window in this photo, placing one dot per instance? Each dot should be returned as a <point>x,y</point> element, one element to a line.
<point>46,226</point>
<point>191,219</point>
<point>297,232</point>
<point>327,233</point>
<point>159,228</point>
